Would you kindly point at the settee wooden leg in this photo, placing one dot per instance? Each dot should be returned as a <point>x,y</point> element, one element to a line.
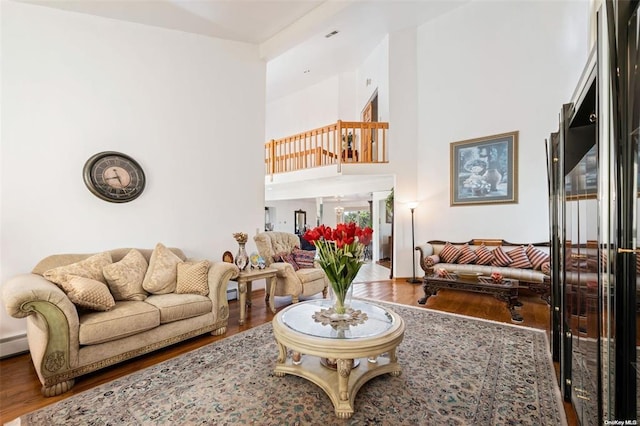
<point>429,290</point>
<point>57,388</point>
<point>294,299</point>
<point>515,316</point>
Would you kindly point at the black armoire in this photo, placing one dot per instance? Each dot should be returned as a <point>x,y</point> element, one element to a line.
<point>594,169</point>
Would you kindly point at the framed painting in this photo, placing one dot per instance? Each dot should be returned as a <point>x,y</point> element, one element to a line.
<point>485,170</point>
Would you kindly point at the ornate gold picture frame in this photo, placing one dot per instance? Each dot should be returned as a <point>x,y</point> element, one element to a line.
<point>485,170</point>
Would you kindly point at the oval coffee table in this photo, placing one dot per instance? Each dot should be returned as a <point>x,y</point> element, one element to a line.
<point>354,351</point>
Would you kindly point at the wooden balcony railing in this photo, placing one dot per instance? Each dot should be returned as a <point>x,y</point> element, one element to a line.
<point>339,143</point>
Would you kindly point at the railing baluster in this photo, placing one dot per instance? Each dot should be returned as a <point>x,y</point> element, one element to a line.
<point>324,146</point>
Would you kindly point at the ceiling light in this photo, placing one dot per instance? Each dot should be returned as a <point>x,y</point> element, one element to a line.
<point>331,34</point>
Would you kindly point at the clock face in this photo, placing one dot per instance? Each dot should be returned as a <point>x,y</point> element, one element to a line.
<point>114,177</point>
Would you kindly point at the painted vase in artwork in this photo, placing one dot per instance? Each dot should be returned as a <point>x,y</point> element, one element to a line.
<point>493,177</point>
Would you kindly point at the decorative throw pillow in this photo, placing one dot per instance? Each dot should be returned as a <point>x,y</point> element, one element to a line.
<point>91,294</point>
<point>304,258</point>
<point>466,255</point>
<point>449,253</point>
<point>161,277</point>
<point>125,277</point>
<point>90,267</point>
<point>546,268</point>
<point>500,258</point>
<point>288,257</point>
<point>519,257</point>
<point>536,256</point>
<point>484,256</point>
<point>193,278</point>
<point>429,261</point>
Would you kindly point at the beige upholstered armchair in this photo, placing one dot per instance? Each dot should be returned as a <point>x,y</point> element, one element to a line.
<point>290,282</point>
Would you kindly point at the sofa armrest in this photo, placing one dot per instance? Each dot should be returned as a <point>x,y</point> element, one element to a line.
<point>19,292</point>
<point>285,270</point>
<point>219,275</point>
<point>52,326</point>
<point>425,250</point>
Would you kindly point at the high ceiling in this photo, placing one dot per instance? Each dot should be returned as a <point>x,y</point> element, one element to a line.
<point>290,33</point>
<point>291,36</point>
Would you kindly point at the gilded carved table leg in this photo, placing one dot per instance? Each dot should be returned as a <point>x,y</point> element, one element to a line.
<point>393,359</point>
<point>344,370</point>
<point>271,293</point>
<point>282,357</point>
<point>242,289</point>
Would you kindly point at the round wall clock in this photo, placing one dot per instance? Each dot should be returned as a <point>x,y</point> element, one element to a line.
<point>114,177</point>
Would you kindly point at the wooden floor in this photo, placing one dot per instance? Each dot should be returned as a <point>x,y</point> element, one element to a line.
<point>20,387</point>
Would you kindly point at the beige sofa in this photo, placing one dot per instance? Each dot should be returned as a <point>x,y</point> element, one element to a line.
<point>291,280</point>
<point>537,279</point>
<point>67,340</point>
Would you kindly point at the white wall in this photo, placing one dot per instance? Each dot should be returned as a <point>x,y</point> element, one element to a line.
<point>282,215</point>
<point>374,68</point>
<point>313,107</point>
<point>488,68</point>
<point>189,108</point>
<point>403,136</point>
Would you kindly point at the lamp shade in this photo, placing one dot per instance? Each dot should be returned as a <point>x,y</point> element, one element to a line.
<point>412,205</point>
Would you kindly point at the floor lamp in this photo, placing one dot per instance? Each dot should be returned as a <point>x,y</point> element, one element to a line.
<point>413,279</point>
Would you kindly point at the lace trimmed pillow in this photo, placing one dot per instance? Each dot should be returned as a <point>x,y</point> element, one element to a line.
<point>449,253</point>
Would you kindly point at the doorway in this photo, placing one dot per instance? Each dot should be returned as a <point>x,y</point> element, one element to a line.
<point>370,115</point>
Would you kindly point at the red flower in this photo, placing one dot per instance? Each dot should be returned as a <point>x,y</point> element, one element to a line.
<point>340,252</point>
<point>367,235</point>
<point>344,234</point>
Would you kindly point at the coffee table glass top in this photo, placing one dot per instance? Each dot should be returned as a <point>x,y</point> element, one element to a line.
<point>298,317</point>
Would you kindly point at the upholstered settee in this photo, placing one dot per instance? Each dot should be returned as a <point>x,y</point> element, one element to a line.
<point>528,263</point>
<point>85,312</point>
<point>298,275</point>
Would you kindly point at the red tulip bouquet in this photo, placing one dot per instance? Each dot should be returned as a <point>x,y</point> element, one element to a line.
<point>340,253</point>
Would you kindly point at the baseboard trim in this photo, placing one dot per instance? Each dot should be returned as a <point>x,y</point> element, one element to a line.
<point>13,345</point>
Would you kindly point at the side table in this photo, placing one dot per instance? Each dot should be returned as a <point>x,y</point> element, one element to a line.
<point>246,278</point>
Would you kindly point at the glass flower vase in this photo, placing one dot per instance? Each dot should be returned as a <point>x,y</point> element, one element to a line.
<point>341,296</point>
<point>242,259</point>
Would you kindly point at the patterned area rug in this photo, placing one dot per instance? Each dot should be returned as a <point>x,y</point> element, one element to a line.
<point>456,371</point>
